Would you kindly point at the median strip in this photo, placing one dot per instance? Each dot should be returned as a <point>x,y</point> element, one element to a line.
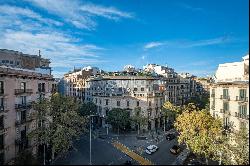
<point>133,155</point>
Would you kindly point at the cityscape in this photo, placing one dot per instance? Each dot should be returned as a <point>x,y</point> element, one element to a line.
<point>162,82</point>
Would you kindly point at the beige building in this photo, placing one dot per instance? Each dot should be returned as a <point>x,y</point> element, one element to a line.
<point>18,89</point>
<point>229,95</point>
<point>127,92</point>
<point>20,60</point>
<point>75,81</point>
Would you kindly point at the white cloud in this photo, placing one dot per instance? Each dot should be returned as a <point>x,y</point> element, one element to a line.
<point>78,14</point>
<point>191,43</point>
<point>153,44</point>
<point>15,13</point>
<point>108,12</point>
<point>62,50</point>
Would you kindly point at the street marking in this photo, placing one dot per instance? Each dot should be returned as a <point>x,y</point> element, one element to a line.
<point>133,155</point>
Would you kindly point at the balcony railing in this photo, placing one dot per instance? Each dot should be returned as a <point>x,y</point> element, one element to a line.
<point>224,97</point>
<point>19,122</point>
<point>243,99</point>
<point>212,95</point>
<point>23,106</point>
<point>243,116</point>
<point>225,111</point>
<point>21,91</point>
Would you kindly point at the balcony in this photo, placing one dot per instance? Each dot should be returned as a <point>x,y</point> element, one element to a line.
<point>22,91</point>
<point>225,111</point>
<point>243,116</point>
<point>224,97</point>
<point>20,122</point>
<point>241,99</point>
<point>23,106</point>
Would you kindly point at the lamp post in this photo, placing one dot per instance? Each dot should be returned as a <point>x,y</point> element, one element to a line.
<point>90,128</point>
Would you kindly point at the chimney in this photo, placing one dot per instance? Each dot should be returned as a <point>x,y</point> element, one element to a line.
<point>39,53</point>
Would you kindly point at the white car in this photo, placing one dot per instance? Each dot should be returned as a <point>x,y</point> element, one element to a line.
<point>151,149</point>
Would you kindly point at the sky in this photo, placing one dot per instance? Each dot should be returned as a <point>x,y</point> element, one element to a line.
<point>187,35</point>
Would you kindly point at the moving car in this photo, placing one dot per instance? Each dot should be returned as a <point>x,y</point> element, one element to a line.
<point>151,149</point>
<point>170,137</point>
<point>175,149</point>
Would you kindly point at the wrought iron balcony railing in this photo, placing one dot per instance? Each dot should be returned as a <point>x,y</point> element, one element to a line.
<point>224,97</point>
<point>21,91</point>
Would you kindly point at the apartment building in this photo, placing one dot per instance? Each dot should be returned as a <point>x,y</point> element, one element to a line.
<point>203,85</point>
<point>19,87</point>
<point>74,83</point>
<point>25,61</point>
<point>229,94</point>
<point>129,93</point>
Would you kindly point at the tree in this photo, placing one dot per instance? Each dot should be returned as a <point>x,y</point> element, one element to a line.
<point>118,118</point>
<point>58,123</point>
<point>169,110</point>
<point>88,108</point>
<point>240,147</point>
<point>139,119</point>
<point>199,131</point>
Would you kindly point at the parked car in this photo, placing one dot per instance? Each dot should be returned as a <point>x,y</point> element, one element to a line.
<point>170,137</point>
<point>151,149</point>
<point>175,149</point>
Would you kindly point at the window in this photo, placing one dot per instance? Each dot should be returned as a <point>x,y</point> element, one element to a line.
<point>225,93</point>
<point>135,89</point>
<point>107,101</point>
<point>23,99</point>
<point>138,103</point>
<point>1,142</point>
<point>1,87</point>
<point>243,110</point>
<point>17,63</point>
<point>23,115</point>
<point>1,122</point>
<point>127,103</point>
<point>23,85</point>
<point>142,89</point>
<point>1,102</point>
<point>225,106</point>
<point>96,100</point>
<point>100,101</point>
<point>118,103</point>
<point>149,103</point>
<point>243,93</point>
<point>11,62</point>
<point>226,121</point>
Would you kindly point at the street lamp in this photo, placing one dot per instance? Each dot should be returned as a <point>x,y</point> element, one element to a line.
<point>90,128</point>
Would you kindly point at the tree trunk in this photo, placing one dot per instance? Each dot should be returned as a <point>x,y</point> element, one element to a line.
<point>164,119</point>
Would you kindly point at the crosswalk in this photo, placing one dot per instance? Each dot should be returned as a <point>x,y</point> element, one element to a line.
<point>130,153</point>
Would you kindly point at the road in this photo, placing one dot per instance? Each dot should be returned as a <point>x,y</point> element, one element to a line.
<point>103,153</point>
<point>162,156</point>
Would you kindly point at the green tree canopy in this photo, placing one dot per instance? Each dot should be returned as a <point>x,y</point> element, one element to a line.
<point>88,108</point>
<point>138,118</point>
<point>58,122</point>
<point>118,118</point>
<point>199,131</point>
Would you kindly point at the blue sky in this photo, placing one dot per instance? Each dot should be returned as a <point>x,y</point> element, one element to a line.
<point>188,35</point>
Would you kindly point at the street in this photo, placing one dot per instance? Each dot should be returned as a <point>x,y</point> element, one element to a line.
<point>103,152</point>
